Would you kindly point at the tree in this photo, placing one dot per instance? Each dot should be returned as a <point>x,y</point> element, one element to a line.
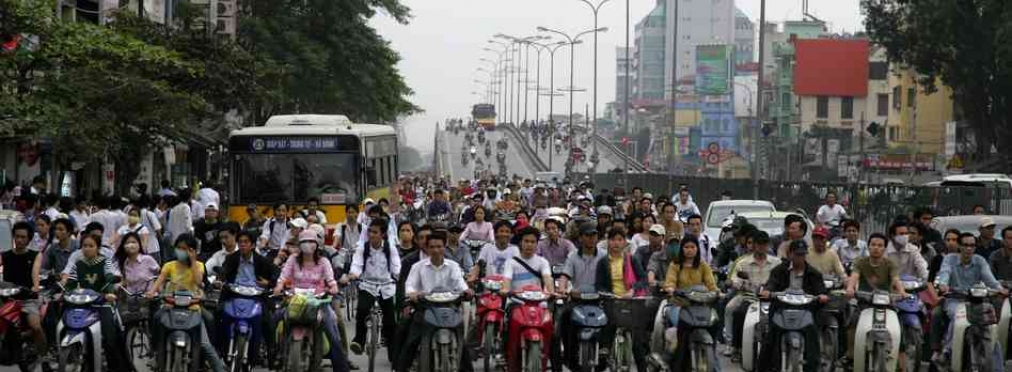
<point>326,57</point>
<point>963,43</point>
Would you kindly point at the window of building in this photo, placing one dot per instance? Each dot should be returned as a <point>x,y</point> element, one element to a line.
<point>822,107</point>
<point>847,107</point>
<point>893,133</point>
<point>897,97</point>
<point>878,70</point>
<point>911,97</point>
<point>883,104</point>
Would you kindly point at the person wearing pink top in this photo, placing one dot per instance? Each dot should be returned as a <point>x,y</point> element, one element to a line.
<point>479,229</point>
<point>309,270</point>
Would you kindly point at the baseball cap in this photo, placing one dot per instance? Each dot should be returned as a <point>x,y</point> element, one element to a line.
<point>821,231</point>
<point>309,236</point>
<point>658,229</point>
<point>588,229</point>
<point>300,223</point>
<point>604,210</point>
<point>986,222</point>
<point>799,247</point>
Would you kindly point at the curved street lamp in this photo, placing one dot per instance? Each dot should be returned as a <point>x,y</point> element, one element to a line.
<point>572,51</point>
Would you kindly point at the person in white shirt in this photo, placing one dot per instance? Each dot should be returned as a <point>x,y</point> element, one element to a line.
<point>108,219</point>
<point>850,248</point>
<point>80,215</point>
<point>685,206</point>
<point>50,202</point>
<point>518,276</point>
<point>706,244</point>
<point>495,255</point>
<point>43,234</point>
<point>275,232</point>
<point>313,208</point>
<point>377,264</point>
<point>135,226</point>
<point>180,219</point>
<point>432,274</point>
<point>227,236</point>
<point>830,214</point>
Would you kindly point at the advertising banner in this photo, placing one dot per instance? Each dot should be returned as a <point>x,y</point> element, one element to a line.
<point>713,69</point>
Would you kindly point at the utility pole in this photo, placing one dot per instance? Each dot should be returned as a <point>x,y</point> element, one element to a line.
<point>759,102</point>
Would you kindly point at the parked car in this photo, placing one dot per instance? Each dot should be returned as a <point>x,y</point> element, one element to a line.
<point>719,210</point>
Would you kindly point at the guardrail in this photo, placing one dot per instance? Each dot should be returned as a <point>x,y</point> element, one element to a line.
<point>526,151</point>
<point>633,164</point>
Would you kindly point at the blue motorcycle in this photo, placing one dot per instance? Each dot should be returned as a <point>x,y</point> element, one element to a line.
<point>911,313</point>
<point>80,331</point>
<point>243,310</point>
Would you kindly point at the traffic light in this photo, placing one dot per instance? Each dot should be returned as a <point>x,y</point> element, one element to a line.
<point>874,129</point>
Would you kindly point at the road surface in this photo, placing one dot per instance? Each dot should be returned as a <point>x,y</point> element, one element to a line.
<point>454,146</point>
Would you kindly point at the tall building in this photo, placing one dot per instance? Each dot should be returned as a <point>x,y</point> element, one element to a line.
<point>744,39</point>
<point>698,23</point>
<point>917,120</point>
<point>649,58</point>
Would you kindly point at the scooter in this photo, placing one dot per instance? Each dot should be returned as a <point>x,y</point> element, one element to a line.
<point>878,332</point>
<point>80,331</point>
<point>181,347</point>
<point>16,347</point>
<point>243,309</point>
<point>305,339</point>
<point>912,315</point>
<point>792,319</point>
<point>1005,321</point>
<point>756,327</point>
<point>697,318</point>
<point>530,331</point>
<point>975,330</point>
<point>441,349</point>
<point>588,320</point>
<point>474,246</point>
<point>491,317</point>
<point>830,332</point>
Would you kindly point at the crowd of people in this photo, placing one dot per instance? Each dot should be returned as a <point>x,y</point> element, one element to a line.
<point>557,236</point>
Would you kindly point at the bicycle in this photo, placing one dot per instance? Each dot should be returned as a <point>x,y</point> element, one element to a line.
<point>375,324</point>
<point>627,316</point>
<point>135,313</point>
<point>350,299</point>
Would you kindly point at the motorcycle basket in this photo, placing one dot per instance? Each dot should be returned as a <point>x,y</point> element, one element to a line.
<point>301,310</point>
<point>628,313</point>
<point>134,309</point>
<point>981,314</point>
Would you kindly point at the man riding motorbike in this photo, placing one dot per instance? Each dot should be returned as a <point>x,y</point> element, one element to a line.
<point>756,268</point>
<point>579,272</point>
<point>871,273</point>
<point>246,268</point>
<point>794,273</point>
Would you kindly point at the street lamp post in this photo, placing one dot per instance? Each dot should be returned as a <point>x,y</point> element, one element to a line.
<point>595,9</point>
<point>572,63</point>
<point>497,81</point>
<point>551,90</point>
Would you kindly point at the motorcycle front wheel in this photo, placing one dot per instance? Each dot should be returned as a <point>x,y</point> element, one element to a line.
<point>981,356</point>
<point>238,362</point>
<point>701,356</point>
<point>488,345</point>
<point>532,358</point>
<point>588,356</point>
<point>829,349</point>
<point>72,359</point>
<point>295,362</point>
<point>912,356</point>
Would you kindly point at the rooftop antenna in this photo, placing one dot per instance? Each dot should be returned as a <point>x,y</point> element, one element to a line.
<point>809,16</point>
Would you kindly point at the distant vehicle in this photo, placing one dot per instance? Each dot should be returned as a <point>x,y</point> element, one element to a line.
<point>719,210</point>
<point>773,222</point>
<point>1001,183</point>
<point>549,177</point>
<point>970,223</point>
<point>484,115</point>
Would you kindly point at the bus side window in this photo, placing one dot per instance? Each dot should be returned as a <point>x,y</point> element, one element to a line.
<point>370,173</point>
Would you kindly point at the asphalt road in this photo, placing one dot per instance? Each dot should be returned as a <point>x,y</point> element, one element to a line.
<point>515,163</point>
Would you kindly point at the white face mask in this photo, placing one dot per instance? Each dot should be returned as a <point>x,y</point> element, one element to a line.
<point>132,247</point>
<point>307,248</point>
<point>901,240</point>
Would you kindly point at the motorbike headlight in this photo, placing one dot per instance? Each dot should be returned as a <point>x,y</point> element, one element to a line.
<point>978,292</point>
<point>8,292</point>
<point>245,291</point>
<point>533,296</point>
<point>828,283</point>
<point>81,298</point>
<point>795,299</point>
<point>183,301</point>
<point>701,297</point>
<point>441,297</point>
<point>881,299</point>
<point>910,285</point>
<point>880,316</point>
<point>492,285</point>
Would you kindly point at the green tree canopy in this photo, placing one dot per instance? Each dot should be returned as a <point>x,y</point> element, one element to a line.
<point>964,43</point>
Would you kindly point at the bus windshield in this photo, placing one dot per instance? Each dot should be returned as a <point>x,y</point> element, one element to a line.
<point>271,178</point>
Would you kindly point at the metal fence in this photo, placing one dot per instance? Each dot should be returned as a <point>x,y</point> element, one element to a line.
<point>875,206</point>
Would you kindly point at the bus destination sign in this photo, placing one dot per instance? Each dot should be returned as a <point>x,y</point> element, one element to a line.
<point>309,144</point>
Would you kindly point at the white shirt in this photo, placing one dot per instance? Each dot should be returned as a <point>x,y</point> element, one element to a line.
<point>110,263</point>
<point>827,214</point>
<point>126,229</point>
<point>426,277</point>
<point>276,237</point>
<point>109,222</point>
<point>322,217</point>
<point>686,210</point>
<point>495,258</point>
<point>150,220</point>
<point>80,219</point>
<point>521,277</point>
<point>217,259</point>
<point>179,221</point>
<point>53,213</point>
<point>38,244</point>
<point>377,270</point>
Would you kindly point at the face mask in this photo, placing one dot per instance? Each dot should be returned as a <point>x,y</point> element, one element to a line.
<point>901,240</point>
<point>132,247</point>
<point>133,220</point>
<point>182,256</point>
<point>673,250</point>
<point>307,248</point>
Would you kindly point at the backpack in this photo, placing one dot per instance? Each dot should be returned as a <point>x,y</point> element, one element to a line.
<point>386,252</point>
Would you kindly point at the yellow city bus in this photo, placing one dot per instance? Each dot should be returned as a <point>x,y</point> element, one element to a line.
<point>297,157</point>
<point>484,114</point>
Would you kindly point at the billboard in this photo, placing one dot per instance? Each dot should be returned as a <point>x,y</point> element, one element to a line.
<point>713,69</point>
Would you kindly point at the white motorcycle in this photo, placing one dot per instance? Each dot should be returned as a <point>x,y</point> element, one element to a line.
<point>1005,321</point>
<point>974,331</point>
<point>877,336</point>
<point>756,326</point>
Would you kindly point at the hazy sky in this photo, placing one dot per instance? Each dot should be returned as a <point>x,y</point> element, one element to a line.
<point>440,48</point>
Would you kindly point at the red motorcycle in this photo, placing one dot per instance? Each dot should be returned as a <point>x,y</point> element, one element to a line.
<point>16,346</point>
<point>491,318</point>
<point>530,331</point>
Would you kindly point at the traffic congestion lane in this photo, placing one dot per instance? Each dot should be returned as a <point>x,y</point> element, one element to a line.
<point>558,160</point>
<point>455,147</point>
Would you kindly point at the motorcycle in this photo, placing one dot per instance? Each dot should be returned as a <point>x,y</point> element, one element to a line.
<point>756,326</point>
<point>792,319</point>
<point>181,347</point>
<point>464,160</point>
<point>244,308</point>
<point>501,157</point>
<point>911,313</point>
<point>488,151</point>
<point>441,349</point>
<point>877,336</point>
<point>80,331</point>
<point>831,313</point>
<point>588,320</point>
<point>16,347</point>
<point>696,319</point>
<point>974,331</point>
<point>530,331</point>
<point>1005,321</point>
<point>474,246</point>
<point>491,317</point>
<point>306,342</point>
